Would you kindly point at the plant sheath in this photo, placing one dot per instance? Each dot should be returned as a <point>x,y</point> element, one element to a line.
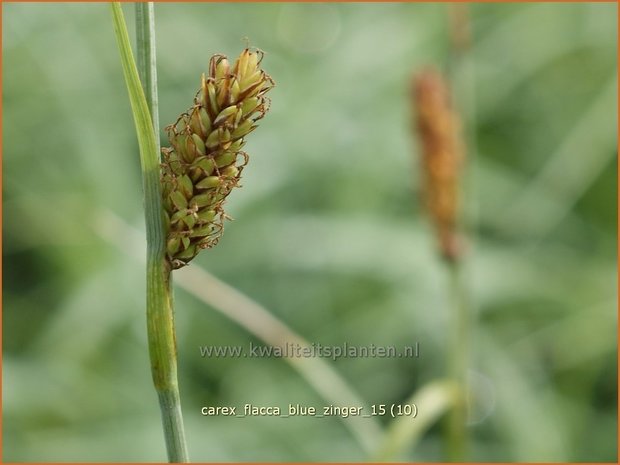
<point>160,322</point>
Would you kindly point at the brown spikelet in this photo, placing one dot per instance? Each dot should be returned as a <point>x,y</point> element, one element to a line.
<point>205,161</point>
<point>438,128</point>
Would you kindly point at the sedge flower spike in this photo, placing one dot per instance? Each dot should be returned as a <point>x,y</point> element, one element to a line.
<point>205,161</point>
<point>438,128</point>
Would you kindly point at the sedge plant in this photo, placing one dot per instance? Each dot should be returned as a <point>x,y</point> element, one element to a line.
<point>439,131</point>
<point>185,190</point>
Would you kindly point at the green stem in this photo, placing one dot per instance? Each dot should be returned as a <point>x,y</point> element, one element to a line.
<point>147,60</point>
<point>458,361</point>
<point>461,68</point>
<point>160,322</point>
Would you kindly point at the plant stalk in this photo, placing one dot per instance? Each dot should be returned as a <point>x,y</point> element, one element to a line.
<point>461,71</point>
<point>147,60</point>
<point>458,361</point>
<point>160,322</point>
<point>167,391</point>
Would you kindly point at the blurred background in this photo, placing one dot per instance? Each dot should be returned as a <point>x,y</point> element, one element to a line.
<point>329,234</point>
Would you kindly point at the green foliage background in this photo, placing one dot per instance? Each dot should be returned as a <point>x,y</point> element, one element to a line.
<point>328,233</point>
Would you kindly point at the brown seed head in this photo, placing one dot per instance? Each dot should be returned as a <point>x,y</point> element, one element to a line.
<point>438,129</point>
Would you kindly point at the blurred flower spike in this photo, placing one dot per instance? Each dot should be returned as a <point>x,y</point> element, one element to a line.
<point>439,132</point>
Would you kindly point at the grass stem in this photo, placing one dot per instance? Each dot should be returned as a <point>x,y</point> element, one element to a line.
<point>147,60</point>
<point>458,361</point>
<point>160,322</point>
<point>461,72</point>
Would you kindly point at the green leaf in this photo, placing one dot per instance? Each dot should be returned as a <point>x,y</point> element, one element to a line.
<point>404,432</point>
<point>149,156</point>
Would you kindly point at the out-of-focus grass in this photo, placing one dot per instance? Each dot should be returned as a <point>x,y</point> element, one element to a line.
<point>328,232</point>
